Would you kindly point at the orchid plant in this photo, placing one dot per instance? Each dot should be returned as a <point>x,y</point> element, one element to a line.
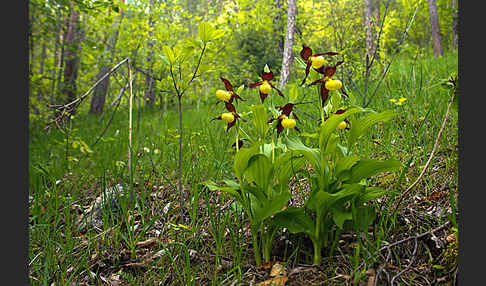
<point>340,195</point>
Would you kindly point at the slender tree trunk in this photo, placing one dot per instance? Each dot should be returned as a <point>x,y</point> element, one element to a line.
<point>71,57</point>
<point>369,39</point>
<point>434,24</point>
<point>56,55</point>
<point>99,93</point>
<point>289,42</point>
<point>62,40</point>
<point>41,70</point>
<point>149,80</point>
<point>277,24</point>
<point>454,24</point>
<point>376,11</point>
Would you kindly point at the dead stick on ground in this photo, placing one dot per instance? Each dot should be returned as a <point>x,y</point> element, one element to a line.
<point>431,153</point>
<point>409,265</point>
<point>416,237</point>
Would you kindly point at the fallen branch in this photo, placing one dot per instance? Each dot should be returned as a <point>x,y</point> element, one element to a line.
<point>75,103</point>
<point>409,265</point>
<point>389,246</point>
<point>431,232</point>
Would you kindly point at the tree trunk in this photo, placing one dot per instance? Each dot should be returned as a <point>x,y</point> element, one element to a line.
<point>56,55</point>
<point>376,11</point>
<point>99,93</point>
<point>62,41</point>
<point>434,24</point>
<point>369,39</point>
<point>71,63</point>
<point>454,24</point>
<point>289,42</point>
<point>149,80</point>
<point>41,70</point>
<point>277,24</point>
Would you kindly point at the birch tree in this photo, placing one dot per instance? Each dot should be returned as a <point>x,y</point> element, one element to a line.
<point>289,42</point>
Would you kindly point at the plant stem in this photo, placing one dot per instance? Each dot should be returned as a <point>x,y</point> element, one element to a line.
<point>317,241</point>
<point>317,252</point>
<point>130,124</point>
<point>256,248</point>
<point>237,133</point>
<point>181,198</point>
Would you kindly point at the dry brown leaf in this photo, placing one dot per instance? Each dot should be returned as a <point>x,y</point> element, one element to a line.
<point>266,265</point>
<point>345,276</point>
<point>372,276</point>
<point>436,195</point>
<point>135,265</point>
<point>277,281</point>
<point>277,270</point>
<point>392,267</point>
<point>147,242</point>
<point>300,269</point>
<point>451,237</point>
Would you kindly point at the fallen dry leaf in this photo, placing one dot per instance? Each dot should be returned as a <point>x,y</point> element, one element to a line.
<point>147,242</point>
<point>371,276</point>
<point>392,267</point>
<point>451,237</point>
<point>277,270</point>
<point>135,265</point>
<point>436,195</point>
<point>266,265</point>
<point>277,281</point>
<point>345,276</point>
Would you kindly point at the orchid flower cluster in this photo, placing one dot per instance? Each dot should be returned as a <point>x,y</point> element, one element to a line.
<point>265,87</point>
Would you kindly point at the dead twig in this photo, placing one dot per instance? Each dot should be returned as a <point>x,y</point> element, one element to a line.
<point>71,106</point>
<point>431,153</point>
<point>409,265</point>
<point>431,232</point>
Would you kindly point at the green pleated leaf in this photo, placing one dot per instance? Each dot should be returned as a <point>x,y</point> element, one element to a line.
<point>345,163</point>
<point>340,215</point>
<point>260,168</point>
<point>311,154</point>
<point>288,165</point>
<point>364,216</point>
<point>205,31</point>
<point>359,127</point>
<point>372,193</point>
<point>169,54</point>
<point>331,123</point>
<point>295,220</point>
<point>260,119</point>
<point>241,160</point>
<point>212,186</point>
<point>367,168</point>
<point>274,205</point>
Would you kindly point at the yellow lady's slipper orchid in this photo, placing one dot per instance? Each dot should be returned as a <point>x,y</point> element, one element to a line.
<point>342,125</point>
<point>288,123</point>
<point>223,95</point>
<point>265,88</point>
<point>228,117</point>
<point>318,62</point>
<point>333,84</point>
